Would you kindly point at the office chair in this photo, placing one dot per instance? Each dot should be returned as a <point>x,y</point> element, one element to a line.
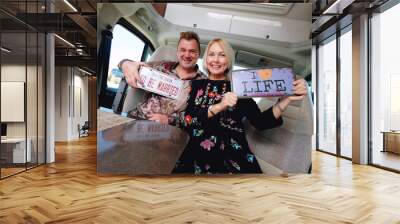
<point>84,130</point>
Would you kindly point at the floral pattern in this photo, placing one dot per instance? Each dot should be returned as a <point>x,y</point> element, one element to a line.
<point>218,144</point>
<point>197,133</point>
<point>207,144</point>
<point>235,145</point>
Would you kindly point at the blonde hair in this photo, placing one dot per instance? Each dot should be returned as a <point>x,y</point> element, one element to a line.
<point>229,53</point>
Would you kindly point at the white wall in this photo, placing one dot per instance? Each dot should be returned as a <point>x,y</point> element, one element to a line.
<point>71,94</point>
<point>33,125</point>
<point>61,103</point>
<point>360,90</point>
<point>80,98</point>
<point>50,94</point>
<point>16,73</point>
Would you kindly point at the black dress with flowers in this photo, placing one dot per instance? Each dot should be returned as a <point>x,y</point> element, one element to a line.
<point>218,144</point>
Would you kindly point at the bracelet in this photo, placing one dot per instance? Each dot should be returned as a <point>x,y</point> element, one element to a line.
<point>209,109</point>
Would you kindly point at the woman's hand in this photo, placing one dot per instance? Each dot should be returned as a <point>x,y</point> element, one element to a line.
<point>228,100</point>
<point>300,91</point>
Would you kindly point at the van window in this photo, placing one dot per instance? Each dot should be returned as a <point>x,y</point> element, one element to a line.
<point>125,44</point>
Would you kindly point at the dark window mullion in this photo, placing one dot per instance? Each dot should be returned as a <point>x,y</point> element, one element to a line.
<point>26,87</point>
<point>37,94</point>
<point>316,100</point>
<point>369,78</point>
<point>144,52</point>
<point>338,98</point>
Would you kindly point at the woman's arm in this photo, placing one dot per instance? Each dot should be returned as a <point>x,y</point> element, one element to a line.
<point>280,107</point>
<point>260,120</point>
<point>299,90</point>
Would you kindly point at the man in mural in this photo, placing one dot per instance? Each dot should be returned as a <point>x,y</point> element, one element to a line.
<point>160,108</point>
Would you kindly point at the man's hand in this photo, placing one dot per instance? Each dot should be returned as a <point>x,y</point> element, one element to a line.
<point>131,72</point>
<point>162,118</point>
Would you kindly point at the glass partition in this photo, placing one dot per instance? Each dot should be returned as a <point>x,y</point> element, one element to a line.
<point>346,93</point>
<point>22,90</point>
<point>326,136</point>
<point>13,95</point>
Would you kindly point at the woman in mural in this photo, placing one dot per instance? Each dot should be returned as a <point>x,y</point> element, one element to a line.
<point>213,119</point>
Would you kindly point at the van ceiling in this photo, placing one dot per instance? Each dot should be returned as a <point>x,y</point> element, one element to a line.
<point>291,23</point>
<point>288,10</point>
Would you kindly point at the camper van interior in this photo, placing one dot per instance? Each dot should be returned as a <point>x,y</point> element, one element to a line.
<point>262,35</point>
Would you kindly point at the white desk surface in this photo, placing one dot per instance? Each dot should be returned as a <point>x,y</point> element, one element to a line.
<point>13,140</point>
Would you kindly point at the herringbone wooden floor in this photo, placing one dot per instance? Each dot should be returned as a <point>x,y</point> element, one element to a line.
<point>70,191</point>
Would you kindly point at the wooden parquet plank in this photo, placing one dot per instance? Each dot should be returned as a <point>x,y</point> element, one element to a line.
<point>70,191</point>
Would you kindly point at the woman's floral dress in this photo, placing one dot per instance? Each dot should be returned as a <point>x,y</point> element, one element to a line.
<point>218,144</point>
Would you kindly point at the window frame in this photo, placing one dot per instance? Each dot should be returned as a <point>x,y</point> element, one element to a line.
<point>112,92</point>
<point>371,14</point>
<point>335,36</point>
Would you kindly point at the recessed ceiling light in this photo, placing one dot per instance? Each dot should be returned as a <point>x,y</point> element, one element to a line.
<point>70,5</point>
<point>86,72</point>
<point>5,50</point>
<point>337,7</point>
<point>65,41</point>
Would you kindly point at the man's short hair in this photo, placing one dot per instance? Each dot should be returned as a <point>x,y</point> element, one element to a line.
<point>190,35</point>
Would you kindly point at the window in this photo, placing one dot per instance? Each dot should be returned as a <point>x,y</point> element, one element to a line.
<point>346,93</point>
<point>125,44</point>
<point>385,88</point>
<point>326,135</point>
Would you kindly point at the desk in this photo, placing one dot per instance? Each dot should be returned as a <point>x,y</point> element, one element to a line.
<point>16,147</point>
<point>391,141</point>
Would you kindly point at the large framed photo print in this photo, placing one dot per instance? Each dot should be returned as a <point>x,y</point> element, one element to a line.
<point>177,114</point>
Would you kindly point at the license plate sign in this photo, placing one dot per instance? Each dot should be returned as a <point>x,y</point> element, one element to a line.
<point>266,82</point>
<point>159,83</point>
